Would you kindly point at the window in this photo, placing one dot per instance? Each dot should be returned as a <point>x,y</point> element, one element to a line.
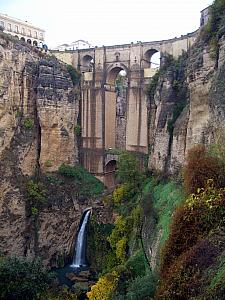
<point>35,34</point>
<point>41,35</point>
<point>16,28</point>
<point>23,30</point>
<point>29,32</point>
<point>2,23</point>
<point>9,27</point>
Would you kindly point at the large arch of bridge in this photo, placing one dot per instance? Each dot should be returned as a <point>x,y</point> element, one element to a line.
<point>113,71</point>
<point>111,103</point>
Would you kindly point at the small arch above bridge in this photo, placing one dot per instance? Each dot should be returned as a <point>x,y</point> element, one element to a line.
<point>152,58</point>
<point>87,63</point>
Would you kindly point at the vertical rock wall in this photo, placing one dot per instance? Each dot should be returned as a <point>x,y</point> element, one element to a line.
<point>38,112</point>
<point>201,120</point>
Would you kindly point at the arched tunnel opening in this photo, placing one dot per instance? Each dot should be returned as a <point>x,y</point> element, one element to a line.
<point>110,173</point>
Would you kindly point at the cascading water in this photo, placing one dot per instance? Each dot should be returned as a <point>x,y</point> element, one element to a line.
<point>79,259</point>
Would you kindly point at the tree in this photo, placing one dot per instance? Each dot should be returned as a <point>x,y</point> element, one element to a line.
<point>22,279</point>
<point>128,170</point>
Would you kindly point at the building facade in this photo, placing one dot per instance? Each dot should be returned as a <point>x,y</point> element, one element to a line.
<point>22,30</point>
<point>79,44</point>
<point>205,15</point>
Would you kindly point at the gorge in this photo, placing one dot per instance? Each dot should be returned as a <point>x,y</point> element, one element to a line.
<point>63,138</point>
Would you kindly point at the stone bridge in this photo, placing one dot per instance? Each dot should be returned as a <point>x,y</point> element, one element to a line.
<point>107,122</point>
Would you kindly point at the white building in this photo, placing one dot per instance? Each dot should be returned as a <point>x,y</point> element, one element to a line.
<point>22,30</point>
<point>79,44</point>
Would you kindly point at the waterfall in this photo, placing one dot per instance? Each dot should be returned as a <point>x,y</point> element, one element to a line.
<point>79,258</point>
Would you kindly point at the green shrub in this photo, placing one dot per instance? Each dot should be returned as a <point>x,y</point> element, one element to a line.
<point>166,197</point>
<point>128,170</point>
<point>151,88</point>
<point>123,227</point>
<point>23,279</point>
<point>28,124</point>
<point>87,183</point>
<point>34,211</point>
<point>74,74</point>
<point>141,288</point>
<point>121,249</point>
<point>77,129</point>
<point>123,194</point>
<point>97,245</point>
<point>136,264</point>
<point>35,192</point>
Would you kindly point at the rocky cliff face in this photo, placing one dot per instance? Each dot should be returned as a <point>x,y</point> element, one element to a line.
<point>201,121</point>
<point>38,112</point>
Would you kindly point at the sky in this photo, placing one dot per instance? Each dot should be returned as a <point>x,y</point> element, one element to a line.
<point>108,22</point>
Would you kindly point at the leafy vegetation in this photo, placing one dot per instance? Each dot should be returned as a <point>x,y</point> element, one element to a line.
<point>77,129</point>
<point>125,254</point>
<point>23,279</point>
<point>128,170</point>
<point>151,89</point>
<point>74,74</point>
<point>196,243</point>
<point>28,124</point>
<point>214,29</point>
<point>87,183</point>
<point>36,196</point>
<point>175,67</point>
<point>200,167</point>
<point>104,288</point>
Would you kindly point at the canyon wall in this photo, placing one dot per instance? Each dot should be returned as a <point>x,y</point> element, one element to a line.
<point>38,113</point>
<point>202,117</point>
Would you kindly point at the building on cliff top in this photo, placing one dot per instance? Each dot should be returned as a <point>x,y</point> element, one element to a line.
<point>205,14</point>
<point>22,30</point>
<point>79,44</point>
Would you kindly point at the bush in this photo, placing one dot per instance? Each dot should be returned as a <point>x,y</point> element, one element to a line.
<point>187,252</point>
<point>200,213</point>
<point>141,288</point>
<point>22,279</point>
<point>104,287</point>
<point>123,227</point>
<point>74,74</point>
<point>151,88</point>
<point>28,124</point>
<point>128,170</point>
<point>35,192</point>
<point>97,245</point>
<point>123,193</point>
<point>136,264</point>
<point>121,249</point>
<point>77,129</point>
<point>87,183</point>
<point>200,167</point>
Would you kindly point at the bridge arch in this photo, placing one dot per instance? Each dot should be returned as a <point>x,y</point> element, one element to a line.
<point>87,63</point>
<point>113,71</point>
<point>110,173</point>
<point>152,58</point>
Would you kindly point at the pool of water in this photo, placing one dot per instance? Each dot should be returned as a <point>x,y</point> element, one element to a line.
<point>61,274</point>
